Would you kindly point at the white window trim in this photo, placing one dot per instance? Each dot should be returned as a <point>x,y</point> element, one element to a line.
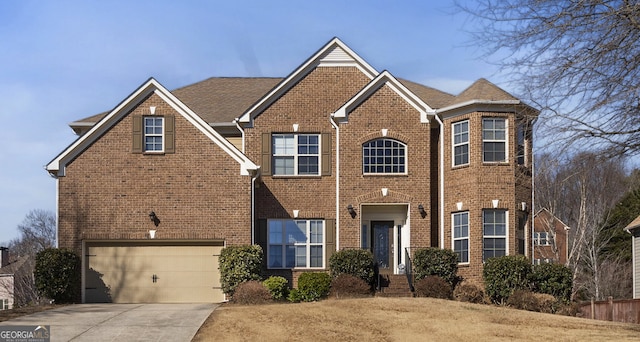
<point>406,159</point>
<point>454,145</point>
<point>506,140</point>
<point>145,135</point>
<point>307,243</point>
<point>295,154</point>
<point>539,241</point>
<point>505,236</point>
<point>468,237</point>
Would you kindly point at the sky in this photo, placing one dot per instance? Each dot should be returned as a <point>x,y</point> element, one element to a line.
<point>62,60</point>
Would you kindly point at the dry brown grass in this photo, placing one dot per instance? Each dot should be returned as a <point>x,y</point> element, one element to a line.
<point>401,319</point>
<point>6,315</point>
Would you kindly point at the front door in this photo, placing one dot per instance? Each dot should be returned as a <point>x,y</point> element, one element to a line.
<point>382,245</point>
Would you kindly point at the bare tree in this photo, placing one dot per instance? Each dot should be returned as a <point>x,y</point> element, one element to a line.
<point>582,191</point>
<point>579,61</point>
<point>37,232</point>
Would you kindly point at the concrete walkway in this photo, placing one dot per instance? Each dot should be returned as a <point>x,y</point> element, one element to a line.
<point>120,322</point>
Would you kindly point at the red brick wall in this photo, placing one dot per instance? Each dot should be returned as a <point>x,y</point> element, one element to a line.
<point>385,109</point>
<point>309,104</point>
<point>478,183</point>
<point>197,192</point>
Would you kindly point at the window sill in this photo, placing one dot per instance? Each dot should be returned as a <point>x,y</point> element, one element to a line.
<point>462,166</point>
<point>296,176</point>
<point>484,163</point>
<point>151,153</point>
<point>385,175</point>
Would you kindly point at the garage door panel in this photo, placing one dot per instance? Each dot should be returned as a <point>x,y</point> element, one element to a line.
<point>127,273</point>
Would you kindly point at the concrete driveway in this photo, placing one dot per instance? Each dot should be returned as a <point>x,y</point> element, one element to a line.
<point>121,322</point>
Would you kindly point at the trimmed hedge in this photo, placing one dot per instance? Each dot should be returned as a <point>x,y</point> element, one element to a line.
<point>239,264</point>
<point>348,286</point>
<point>57,275</point>
<point>504,275</point>
<point>433,287</point>
<point>312,286</point>
<point>356,262</point>
<point>469,291</point>
<point>277,286</point>
<point>250,293</point>
<point>553,279</point>
<point>437,262</point>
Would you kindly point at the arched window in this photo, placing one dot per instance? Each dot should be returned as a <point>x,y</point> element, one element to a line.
<point>384,156</point>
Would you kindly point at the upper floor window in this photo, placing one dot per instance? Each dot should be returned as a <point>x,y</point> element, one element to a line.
<point>384,156</point>
<point>296,154</point>
<point>295,243</point>
<point>542,238</point>
<point>153,134</point>
<point>461,143</point>
<point>461,236</point>
<point>494,140</point>
<point>494,226</point>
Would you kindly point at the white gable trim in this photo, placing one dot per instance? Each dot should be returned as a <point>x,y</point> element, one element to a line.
<point>57,166</point>
<point>385,78</point>
<point>334,53</point>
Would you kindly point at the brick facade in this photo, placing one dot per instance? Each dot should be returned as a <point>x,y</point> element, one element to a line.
<point>199,193</point>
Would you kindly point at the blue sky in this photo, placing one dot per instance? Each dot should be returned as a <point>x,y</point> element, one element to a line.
<point>66,60</point>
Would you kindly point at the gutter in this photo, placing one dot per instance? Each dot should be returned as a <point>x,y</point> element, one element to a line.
<point>337,128</point>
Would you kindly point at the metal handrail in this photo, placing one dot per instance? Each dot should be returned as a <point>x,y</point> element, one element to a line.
<point>408,268</point>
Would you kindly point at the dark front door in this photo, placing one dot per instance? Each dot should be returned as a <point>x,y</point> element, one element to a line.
<point>382,245</point>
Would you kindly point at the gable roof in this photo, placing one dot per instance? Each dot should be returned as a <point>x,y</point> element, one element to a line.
<point>334,53</point>
<point>545,211</point>
<point>216,100</point>
<point>385,78</point>
<point>635,224</point>
<point>57,166</point>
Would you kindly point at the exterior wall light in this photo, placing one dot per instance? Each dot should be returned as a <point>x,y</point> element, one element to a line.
<point>352,211</point>
<point>154,218</point>
<point>423,212</point>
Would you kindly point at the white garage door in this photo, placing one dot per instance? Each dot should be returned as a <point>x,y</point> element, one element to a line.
<point>152,273</point>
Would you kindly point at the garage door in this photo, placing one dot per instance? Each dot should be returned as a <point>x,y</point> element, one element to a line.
<point>152,273</point>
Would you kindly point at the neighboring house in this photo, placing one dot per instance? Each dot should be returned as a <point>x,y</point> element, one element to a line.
<point>634,229</point>
<point>336,155</point>
<point>550,239</point>
<point>6,281</point>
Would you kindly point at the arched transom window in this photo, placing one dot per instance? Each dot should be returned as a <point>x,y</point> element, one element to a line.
<point>384,156</point>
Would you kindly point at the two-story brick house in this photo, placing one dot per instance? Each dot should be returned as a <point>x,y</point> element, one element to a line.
<point>336,155</point>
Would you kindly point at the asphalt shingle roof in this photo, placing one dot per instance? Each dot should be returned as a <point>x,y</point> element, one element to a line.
<point>222,99</point>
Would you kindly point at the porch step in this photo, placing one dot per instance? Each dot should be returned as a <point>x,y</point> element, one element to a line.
<point>394,285</point>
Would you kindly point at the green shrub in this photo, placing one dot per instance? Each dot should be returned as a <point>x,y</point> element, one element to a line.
<point>57,275</point>
<point>503,275</point>
<point>433,287</point>
<point>313,286</point>
<point>250,293</point>
<point>348,286</point>
<point>239,264</point>
<point>277,286</point>
<point>553,279</point>
<point>294,296</point>
<point>356,262</point>
<point>435,261</point>
<point>469,291</point>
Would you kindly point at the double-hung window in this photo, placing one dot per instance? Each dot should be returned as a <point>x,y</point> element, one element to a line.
<point>384,156</point>
<point>4,304</point>
<point>296,154</point>
<point>461,143</point>
<point>542,239</point>
<point>153,134</point>
<point>460,223</point>
<point>494,140</point>
<point>494,226</point>
<point>296,244</point>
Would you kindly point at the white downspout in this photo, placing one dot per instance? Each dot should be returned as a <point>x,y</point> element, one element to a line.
<point>441,185</point>
<point>253,206</point>
<point>241,132</point>
<point>333,123</point>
